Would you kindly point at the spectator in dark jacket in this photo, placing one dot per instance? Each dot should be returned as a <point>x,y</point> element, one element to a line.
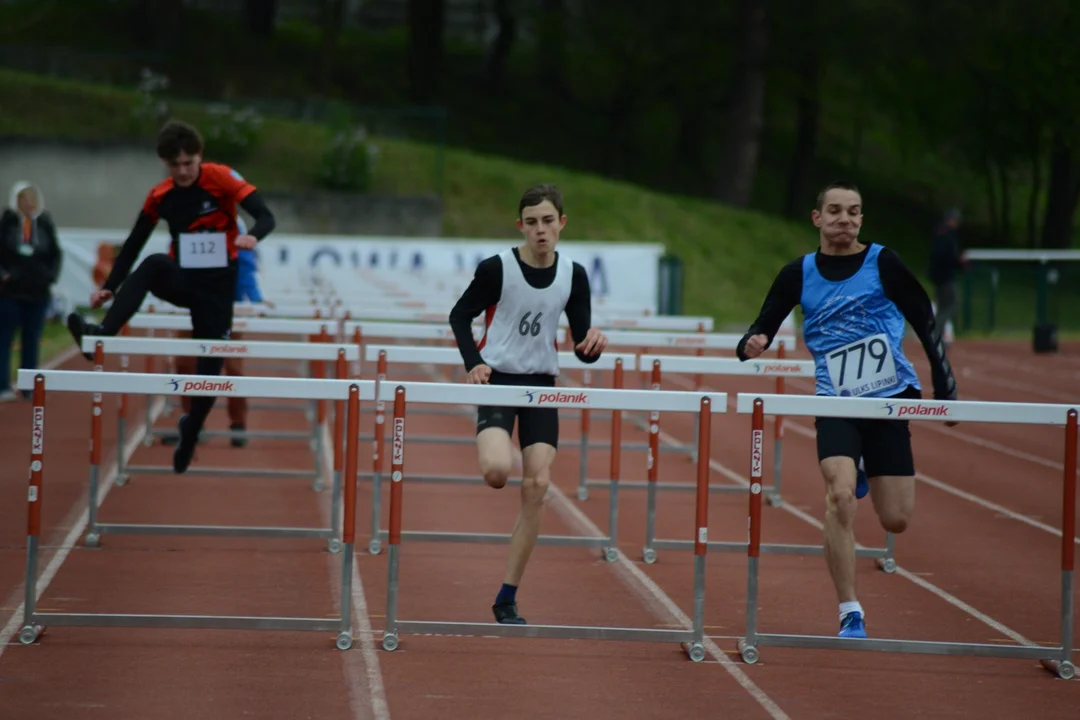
<point>30,260</point>
<point>946,262</point>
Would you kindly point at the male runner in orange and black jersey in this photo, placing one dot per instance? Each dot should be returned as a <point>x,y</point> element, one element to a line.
<point>198,201</point>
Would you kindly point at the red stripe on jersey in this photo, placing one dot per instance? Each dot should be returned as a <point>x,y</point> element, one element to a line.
<point>489,315</point>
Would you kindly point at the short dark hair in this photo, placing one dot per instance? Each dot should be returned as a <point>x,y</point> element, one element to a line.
<point>538,194</point>
<point>178,137</point>
<point>835,185</point>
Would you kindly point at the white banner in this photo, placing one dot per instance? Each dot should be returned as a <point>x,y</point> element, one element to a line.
<point>620,274</point>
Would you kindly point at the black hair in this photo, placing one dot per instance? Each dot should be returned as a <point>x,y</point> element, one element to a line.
<point>835,185</point>
<point>178,137</point>
<point>538,194</point>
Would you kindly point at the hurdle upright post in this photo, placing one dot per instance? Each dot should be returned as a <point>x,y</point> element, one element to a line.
<point>583,459</point>
<point>344,639</point>
<point>92,536</point>
<point>610,552</point>
<point>1064,667</point>
<point>121,420</point>
<point>30,632</point>
<point>775,498</point>
<point>696,650</point>
<point>397,474</point>
<point>748,644</point>
<point>649,553</point>
<point>334,543</point>
<point>375,544</point>
<point>318,371</point>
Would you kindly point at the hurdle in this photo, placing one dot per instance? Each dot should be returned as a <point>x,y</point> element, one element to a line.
<point>1057,660</point>
<point>101,346</point>
<point>450,356</point>
<point>702,404</point>
<point>153,347</point>
<point>98,382</point>
<point>301,327</point>
<point>780,369</point>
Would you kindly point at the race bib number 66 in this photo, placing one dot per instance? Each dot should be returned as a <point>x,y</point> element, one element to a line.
<point>862,366</point>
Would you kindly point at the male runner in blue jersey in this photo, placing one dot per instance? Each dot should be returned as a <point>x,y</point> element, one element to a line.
<point>856,297</point>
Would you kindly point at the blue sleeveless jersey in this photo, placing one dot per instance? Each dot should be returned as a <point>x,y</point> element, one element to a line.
<point>854,332</point>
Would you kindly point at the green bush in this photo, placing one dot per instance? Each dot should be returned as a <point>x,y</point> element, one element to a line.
<point>349,162</point>
<point>231,135</point>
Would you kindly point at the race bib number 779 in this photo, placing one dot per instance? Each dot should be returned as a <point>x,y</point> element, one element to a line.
<point>862,367</point>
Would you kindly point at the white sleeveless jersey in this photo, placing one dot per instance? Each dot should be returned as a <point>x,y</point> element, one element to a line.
<point>520,332</point>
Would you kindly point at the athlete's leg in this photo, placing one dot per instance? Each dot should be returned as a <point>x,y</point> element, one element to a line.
<point>495,452</point>
<point>839,447</point>
<point>234,367</point>
<point>157,274</point>
<point>211,319</point>
<point>538,433</point>
<point>891,467</point>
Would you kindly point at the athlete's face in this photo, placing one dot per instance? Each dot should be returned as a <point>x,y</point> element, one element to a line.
<point>840,218</point>
<point>184,169</point>
<point>541,225</point>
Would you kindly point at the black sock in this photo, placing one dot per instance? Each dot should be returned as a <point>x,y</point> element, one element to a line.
<point>506,594</point>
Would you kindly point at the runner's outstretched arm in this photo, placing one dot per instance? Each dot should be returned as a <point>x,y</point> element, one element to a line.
<point>783,296</point>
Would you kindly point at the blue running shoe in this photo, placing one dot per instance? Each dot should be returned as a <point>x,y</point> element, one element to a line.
<point>852,626</point>
<point>862,483</point>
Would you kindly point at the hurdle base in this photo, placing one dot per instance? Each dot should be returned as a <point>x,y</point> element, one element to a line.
<point>449,479</point>
<point>766,548</point>
<point>240,434</point>
<point>187,622</point>
<point>679,486</point>
<point>499,538</point>
<point>916,647</point>
<point>217,472</point>
<point>209,531</point>
<point>559,632</point>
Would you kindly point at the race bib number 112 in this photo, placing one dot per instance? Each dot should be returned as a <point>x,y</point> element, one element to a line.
<point>862,367</point>
<point>203,250</point>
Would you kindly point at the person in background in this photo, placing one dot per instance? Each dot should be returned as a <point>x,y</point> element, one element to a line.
<point>946,262</point>
<point>30,259</point>
<point>247,288</point>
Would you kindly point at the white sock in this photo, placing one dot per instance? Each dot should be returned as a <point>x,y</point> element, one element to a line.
<point>850,607</point>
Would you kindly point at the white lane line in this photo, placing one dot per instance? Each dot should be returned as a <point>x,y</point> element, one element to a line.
<point>372,704</point>
<point>15,622</point>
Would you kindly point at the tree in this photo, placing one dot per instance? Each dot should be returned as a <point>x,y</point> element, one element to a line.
<point>427,19</point>
<point>745,115</point>
<point>260,17</point>
<point>495,62</point>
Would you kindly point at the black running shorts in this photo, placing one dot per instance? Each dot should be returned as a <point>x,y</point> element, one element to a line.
<point>535,425</point>
<point>883,445</point>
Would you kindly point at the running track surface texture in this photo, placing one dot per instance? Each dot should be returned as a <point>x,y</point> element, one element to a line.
<point>979,563</point>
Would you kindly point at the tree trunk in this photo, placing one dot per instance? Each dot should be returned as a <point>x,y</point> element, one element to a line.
<point>690,144</point>
<point>333,12</point>
<point>742,134</point>
<point>1061,196</point>
<point>551,45</point>
<point>1033,198</point>
<point>495,63</point>
<point>992,200</point>
<point>427,19</point>
<point>1006,201</point>
<point>808,111</point>
<point>260,17</point>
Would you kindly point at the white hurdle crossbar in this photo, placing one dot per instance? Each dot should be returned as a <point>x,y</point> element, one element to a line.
<point>42,383</point>
<point>102,345</point>
<point>702,404</point>
<point>778,368</point>
<point>1057,660</point>
<point>405,355</point>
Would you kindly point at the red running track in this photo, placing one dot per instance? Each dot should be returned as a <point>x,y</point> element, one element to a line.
<point>979,562</point>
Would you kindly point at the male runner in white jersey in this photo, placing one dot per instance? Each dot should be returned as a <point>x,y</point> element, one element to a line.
<point>522,293</point>
<point>855,300</point>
